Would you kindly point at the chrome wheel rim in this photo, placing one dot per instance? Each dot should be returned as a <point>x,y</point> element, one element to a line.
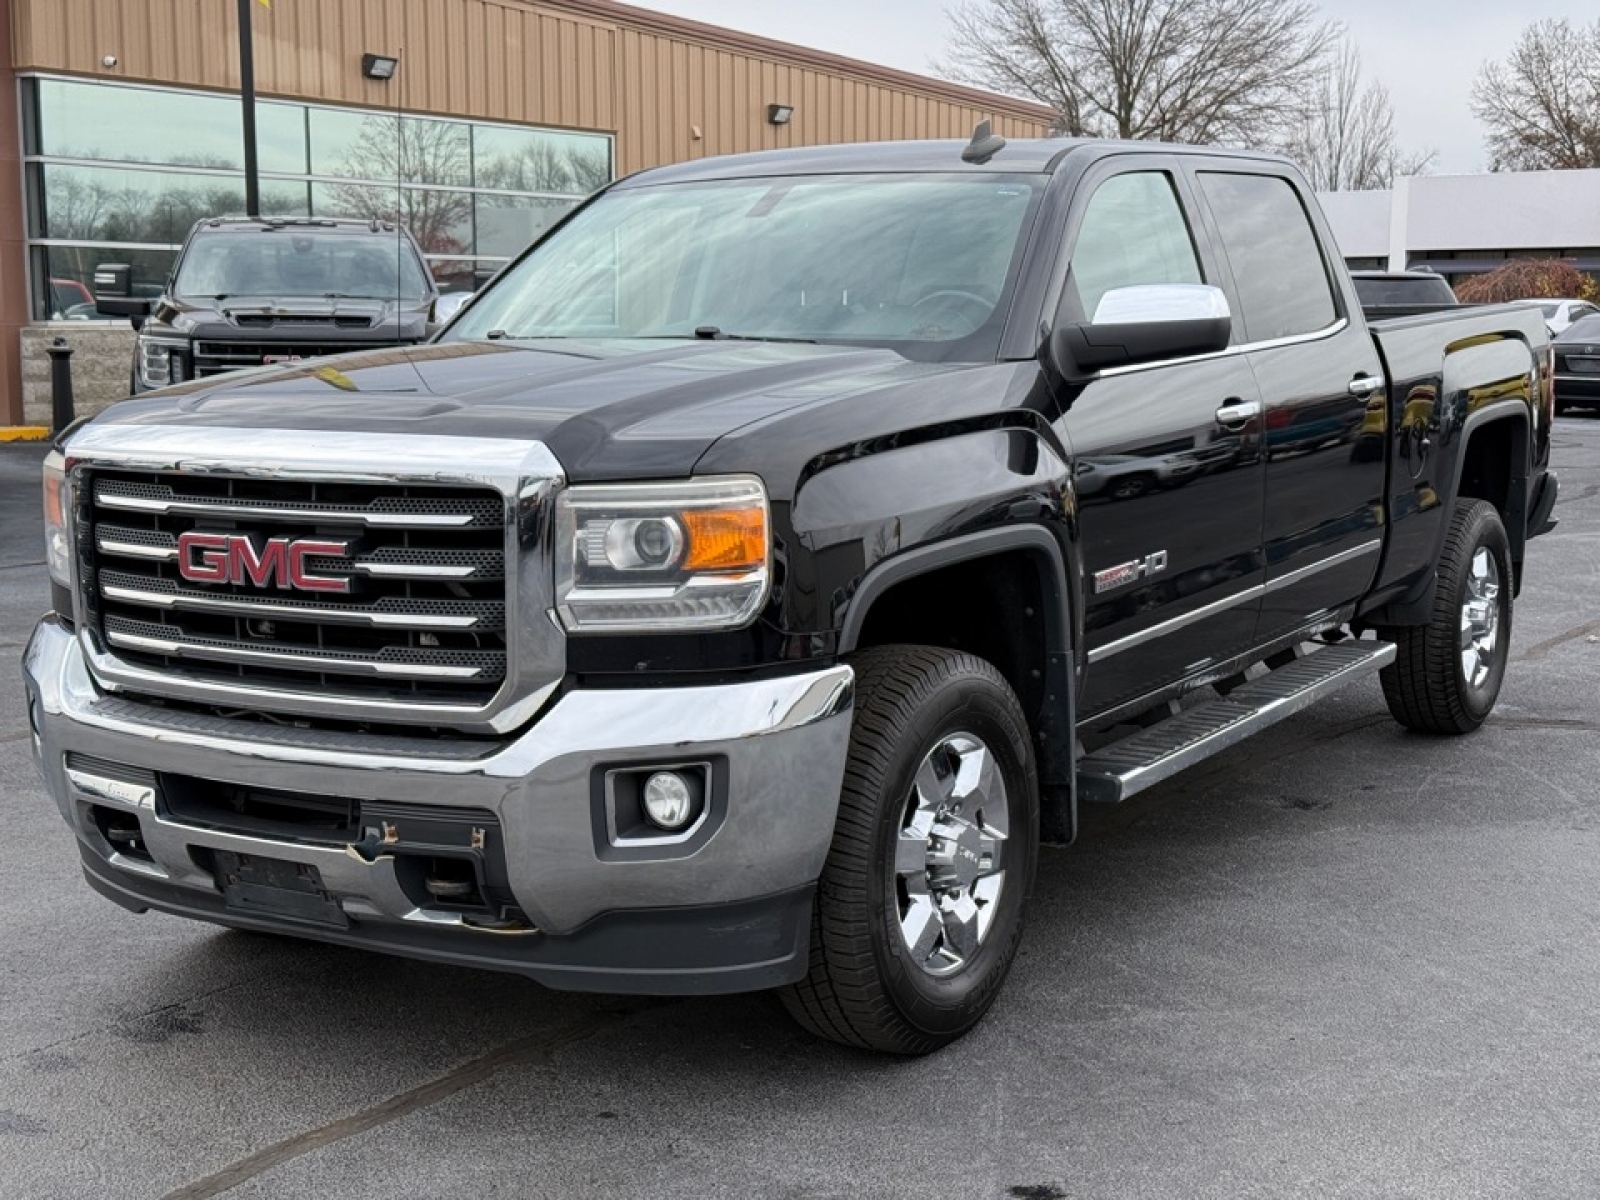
<point>950,854</point>
<point>1480,619</point>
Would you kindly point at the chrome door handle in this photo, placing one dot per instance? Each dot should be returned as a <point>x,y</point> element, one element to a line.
<point>1236,416</point>
<point>1366,385</point>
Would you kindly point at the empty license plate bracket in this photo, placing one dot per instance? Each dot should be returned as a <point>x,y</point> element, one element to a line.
<point>276,888</point>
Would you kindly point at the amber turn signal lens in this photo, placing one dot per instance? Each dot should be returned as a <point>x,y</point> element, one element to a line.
<point>725,539</point>
<point>54,514</point>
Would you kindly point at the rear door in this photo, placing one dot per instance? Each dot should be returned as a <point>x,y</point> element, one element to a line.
<point>1169,490</point>
<point>1322,385</point>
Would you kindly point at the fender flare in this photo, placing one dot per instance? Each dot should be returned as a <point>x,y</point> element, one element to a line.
<point>1416,606</point>
<point>1055,733</point>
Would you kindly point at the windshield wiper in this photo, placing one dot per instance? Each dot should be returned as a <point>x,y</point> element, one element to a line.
<point>710,333</point>
<point>505,335</point>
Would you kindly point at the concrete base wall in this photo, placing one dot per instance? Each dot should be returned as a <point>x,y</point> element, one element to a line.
<point>102,360</point>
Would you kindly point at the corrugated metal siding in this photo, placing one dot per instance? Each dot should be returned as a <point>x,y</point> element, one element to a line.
<point>510,61</point>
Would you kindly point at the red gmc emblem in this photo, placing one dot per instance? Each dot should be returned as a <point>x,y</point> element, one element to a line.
<point>276,562</point>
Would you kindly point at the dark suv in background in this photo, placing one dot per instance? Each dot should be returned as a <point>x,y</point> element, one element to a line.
<point>246,292</point>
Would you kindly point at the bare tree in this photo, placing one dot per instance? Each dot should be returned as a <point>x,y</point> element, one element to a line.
<point>1541,106</point>
<point>543,167</point>
<point>1212,71</point>
<point>411,151</point>
<point>1345,141</point>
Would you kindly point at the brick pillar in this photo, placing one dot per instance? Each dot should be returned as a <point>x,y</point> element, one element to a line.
<point>13,234</point>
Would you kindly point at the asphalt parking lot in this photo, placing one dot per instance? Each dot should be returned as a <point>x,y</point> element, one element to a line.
<point>1338,961</point>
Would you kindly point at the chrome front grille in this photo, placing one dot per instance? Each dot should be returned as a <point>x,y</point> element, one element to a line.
<point>447,544</point>
<point>425,618</point>
<point>214,358</point>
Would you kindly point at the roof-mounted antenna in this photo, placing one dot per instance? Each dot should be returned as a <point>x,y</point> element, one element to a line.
<point>985,144</point>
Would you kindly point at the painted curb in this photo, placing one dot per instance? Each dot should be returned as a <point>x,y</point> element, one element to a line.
<point>23,433</point>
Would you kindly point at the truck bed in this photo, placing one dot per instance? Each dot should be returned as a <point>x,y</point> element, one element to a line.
<point>1447,371</point>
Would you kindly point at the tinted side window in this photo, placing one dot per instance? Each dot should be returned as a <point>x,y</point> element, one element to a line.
<point>1133,232</point>
<point>1277,265</point>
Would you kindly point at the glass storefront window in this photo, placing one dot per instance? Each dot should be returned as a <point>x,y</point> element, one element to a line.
<point>530,160</point>
<point>508,225</point>
<point>106,123</point>
<point>470,192</point>
<point>441,221</point>
<point>110,204</point>
<point>69,271</point>
<point>463,274</point>
<point>379,147</point>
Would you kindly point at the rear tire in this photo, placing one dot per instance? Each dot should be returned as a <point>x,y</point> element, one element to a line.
<point>920,906</point>
<point>1447,674</point>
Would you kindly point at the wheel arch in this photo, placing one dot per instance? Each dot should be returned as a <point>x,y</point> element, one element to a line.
<point>1493,462</point>
<point>974,592</point>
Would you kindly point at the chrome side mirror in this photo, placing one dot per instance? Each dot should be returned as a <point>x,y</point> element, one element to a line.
<point>448,305</point>
<point>1162,302</point>
<point>1147,323</point>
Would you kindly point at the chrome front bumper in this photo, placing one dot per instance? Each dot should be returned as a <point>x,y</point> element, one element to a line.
<point>737,901</point>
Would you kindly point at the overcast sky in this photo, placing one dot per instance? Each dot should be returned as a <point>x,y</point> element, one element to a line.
<point>1425,51</point>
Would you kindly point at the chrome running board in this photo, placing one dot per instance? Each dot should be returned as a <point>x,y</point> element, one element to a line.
<point>1125,768</point>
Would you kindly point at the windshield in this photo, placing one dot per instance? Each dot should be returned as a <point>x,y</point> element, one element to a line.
<point>289,264</point>
<point>1399,290</point>
<point>921,263</point>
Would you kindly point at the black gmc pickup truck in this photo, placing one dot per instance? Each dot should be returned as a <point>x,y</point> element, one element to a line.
<point>254,291</point>
<point>742,587</point>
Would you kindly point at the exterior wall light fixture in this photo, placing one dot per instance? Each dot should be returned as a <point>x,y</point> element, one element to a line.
<point>779,114</point>
<point>379,66</point>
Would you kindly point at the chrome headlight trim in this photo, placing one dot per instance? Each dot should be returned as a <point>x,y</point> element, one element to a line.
<point>153,358</point>
<point>58,524</point>
<point>693,588</point>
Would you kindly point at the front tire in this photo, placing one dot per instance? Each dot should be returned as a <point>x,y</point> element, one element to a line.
<point>920,906</point>
<point>1447,674</point>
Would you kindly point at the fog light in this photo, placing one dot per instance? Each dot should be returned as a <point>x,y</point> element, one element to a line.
<point>668,800</point>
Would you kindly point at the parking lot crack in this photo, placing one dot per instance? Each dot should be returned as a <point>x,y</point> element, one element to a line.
<point>1588,493</point>
<point>1535,652</point>
<point>537,1050</point>
<point>1555,723</point>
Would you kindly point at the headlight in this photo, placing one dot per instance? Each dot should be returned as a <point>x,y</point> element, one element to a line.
<point>57,519</point>
<point>656,557</point>
<point>160,361</point>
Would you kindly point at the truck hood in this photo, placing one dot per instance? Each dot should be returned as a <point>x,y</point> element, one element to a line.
<point>607,409</point>
<point>304,318</point>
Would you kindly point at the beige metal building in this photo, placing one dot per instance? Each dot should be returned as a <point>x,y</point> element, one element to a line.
<point>120,124</point>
